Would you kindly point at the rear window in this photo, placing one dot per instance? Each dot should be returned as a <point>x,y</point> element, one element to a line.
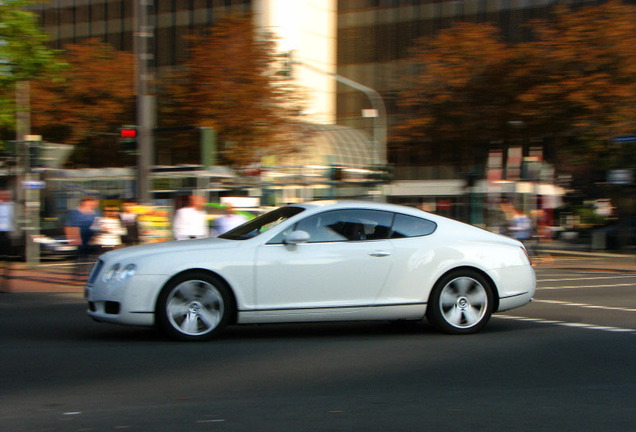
<point>411,226</point>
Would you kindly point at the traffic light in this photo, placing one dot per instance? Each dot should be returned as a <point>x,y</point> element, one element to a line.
<point>128,138</point>
<point>33,145</point>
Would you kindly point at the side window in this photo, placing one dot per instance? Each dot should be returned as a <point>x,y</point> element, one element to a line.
<point>411,226</point>
<point>347,225</point>
<point>321,228</point>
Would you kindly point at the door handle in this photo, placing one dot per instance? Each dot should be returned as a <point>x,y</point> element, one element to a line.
<point>379,254</point>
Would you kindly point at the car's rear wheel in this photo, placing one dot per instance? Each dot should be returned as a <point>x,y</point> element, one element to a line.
<point>461,302</point>
<point>194,306</point>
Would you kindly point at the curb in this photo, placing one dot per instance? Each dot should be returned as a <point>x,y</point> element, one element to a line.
<point>587,254</point>
<point>575,260</point>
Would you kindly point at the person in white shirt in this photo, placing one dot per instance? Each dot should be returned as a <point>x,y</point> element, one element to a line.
<point>191,222</point>
<point>6,230</point>
<point>108,230</point>
<point>129,221</point>
<point>6,219</point>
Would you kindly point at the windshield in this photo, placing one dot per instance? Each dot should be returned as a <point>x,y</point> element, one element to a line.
<point>261,223</point>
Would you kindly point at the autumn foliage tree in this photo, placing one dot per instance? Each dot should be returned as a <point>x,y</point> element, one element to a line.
<point>456,97</point>
<point>229,83</point>
<point>89,102</point>
<point>575,81</point>
<point>584,85</point>
<point>586,61</point>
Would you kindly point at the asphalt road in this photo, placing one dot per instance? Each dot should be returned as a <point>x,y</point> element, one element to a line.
<point>562,363</point>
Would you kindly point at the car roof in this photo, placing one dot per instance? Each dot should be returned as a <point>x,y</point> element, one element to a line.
<point>316,206</point>
<point>360,204</point>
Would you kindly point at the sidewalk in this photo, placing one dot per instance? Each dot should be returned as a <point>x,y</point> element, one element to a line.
<point>45,277</point>
<point>59,277</point>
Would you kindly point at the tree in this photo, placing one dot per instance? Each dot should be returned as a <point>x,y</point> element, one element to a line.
<point>459,95</point>
<point>587,91</point>
<point>23,54</point>
<point>588,72</point>
<point>93,98</point>
<point>463,96</point>
<point>229,83</point>
<point>574,82</point>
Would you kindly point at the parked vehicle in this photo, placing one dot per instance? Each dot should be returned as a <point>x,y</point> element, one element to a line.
<point>55,247</point>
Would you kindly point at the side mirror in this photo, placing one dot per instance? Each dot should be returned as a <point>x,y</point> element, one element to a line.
<point>296,237</point>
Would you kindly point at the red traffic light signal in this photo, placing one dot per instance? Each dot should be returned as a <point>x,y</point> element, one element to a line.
<point>128,138</point>
<point>128,133</point>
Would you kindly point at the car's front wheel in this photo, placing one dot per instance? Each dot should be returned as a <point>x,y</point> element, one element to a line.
<point>461,302</point>
<point>194,306</point>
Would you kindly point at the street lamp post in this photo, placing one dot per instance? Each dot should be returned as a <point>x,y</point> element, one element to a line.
<point>144,32</point>
<point>377,103</point>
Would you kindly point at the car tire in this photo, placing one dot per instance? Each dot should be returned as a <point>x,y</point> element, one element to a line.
<point>461,302</point>
<point>194,306</point>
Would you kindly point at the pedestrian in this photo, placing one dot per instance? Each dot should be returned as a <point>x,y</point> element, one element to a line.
<point>130,222</point>
<point>6,231</point>
<point>520,227</point>
<point>191,222</point>
<point>79,233</point>
<point>228,221</point>
<point>108,231</point>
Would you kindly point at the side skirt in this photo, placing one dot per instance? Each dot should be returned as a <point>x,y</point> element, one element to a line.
<point>412,311</point>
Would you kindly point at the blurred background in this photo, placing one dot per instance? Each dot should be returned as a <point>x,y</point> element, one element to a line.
<point>469,109</point>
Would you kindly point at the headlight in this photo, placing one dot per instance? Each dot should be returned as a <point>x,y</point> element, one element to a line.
<point>112,271</point>
<point>117,272</point>
<point>127,272</point>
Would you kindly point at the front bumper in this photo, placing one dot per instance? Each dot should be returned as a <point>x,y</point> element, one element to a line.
<point>132,301</point>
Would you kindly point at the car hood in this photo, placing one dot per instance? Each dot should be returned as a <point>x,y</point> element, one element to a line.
<point>171,247</point>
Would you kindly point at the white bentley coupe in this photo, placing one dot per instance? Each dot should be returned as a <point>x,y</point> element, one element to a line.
<point>319,261</point>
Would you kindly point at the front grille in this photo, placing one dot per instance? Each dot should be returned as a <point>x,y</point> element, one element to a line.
<point>96,269</point>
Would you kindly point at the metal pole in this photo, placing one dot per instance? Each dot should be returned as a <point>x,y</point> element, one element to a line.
<point>144,33</point>
<point>23,110</point>
<point>380,122</point>
<point>29,213</point>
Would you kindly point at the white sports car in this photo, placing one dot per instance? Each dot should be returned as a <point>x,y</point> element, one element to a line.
<point>319,261</point>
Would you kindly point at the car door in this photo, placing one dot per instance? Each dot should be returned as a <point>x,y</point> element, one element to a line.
<point>345,263</point>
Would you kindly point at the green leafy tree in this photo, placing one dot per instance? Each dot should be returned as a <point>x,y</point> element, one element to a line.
<point>229,83</point>
<point>24,54</point>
